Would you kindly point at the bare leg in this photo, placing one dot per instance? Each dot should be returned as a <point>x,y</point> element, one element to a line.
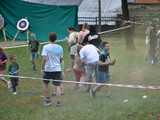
<point>58,91</point>
<point>54,91</point>
<point>82,79</point>
<point>77,78</point>
<point>47,100</point>
<point>33,65</point>
<point>46,90</point>
<point>4,80</point>
<point>62,89</point>
<point>58,94</point>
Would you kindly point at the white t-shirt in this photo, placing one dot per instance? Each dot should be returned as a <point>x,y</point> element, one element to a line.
<point>89,54</point>
<point>73,37</point>
<point>53,54</point>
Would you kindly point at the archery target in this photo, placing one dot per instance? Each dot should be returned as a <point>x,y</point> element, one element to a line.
<point>22,24</point>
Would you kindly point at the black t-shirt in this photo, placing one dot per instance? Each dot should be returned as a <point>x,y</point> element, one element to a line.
<point>103,58</point>
<point>34,45</point>
<point>92,39</point>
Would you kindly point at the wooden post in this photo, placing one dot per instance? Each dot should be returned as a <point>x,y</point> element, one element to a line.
<point>14,39</point>
<point>4,35</point>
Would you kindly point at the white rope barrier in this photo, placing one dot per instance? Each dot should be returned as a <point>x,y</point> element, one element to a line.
<point>150,87</point>
<point>25,45</point>
<point>117,29</point>
<point>19,46</point>
<point>133,22</point>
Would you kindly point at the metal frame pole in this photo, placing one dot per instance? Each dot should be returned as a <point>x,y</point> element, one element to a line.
<point>99,15</point>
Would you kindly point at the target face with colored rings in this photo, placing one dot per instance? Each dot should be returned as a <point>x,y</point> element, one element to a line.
<point>1,22</point>
<point>23,24</point>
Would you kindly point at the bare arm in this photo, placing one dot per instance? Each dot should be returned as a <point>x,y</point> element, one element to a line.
<point>43,62</point>
<point>3,62</point>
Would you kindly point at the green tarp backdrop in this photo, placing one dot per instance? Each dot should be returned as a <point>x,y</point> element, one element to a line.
<point>43,18</point>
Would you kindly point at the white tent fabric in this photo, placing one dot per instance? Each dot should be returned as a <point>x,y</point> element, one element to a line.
<point>89,8</point>
<point>56,2</point>
<point>109,8</point>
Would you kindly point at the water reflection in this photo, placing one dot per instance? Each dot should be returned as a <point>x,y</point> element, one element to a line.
<point>129,35</point>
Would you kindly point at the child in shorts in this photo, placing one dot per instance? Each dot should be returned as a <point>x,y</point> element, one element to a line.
<point>13,69</point>
<point>103,68</point>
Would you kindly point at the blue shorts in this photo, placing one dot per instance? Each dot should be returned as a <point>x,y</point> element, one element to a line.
<point>102,77</point>
<point>34,56</point>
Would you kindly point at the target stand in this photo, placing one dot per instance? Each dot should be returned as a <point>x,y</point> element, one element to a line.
<point>2,28</point>
<point>22,26</point>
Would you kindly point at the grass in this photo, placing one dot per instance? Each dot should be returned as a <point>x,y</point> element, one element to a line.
<point>130,68</point>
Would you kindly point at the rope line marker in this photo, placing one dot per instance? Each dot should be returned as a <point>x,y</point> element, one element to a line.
<point>150,87</point>
<point>25,45</point>
<point>117,29</point>
<point>19,46</point>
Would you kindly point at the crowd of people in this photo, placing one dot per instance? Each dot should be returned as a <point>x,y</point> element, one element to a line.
<point>13,66</point>
<point>89,56</point>
<point>13,70</point>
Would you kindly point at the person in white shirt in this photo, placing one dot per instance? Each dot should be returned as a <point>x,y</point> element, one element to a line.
<point>90,57</point>
<point>52,54</point>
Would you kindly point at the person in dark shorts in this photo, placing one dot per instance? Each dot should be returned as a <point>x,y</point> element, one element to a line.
<point>3,62</point>
<point>34,48</point>
<point>13,69</point>
<point>103,68</point>
<point>52,54</point>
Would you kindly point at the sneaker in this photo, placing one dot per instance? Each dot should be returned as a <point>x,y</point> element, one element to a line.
<point>92,93</point>
<point>58,104</point>
<point>152,62</point>
<point>62,94</point>
<point>54,94</point>
<point>47,102</point>
<point>14,93</point>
